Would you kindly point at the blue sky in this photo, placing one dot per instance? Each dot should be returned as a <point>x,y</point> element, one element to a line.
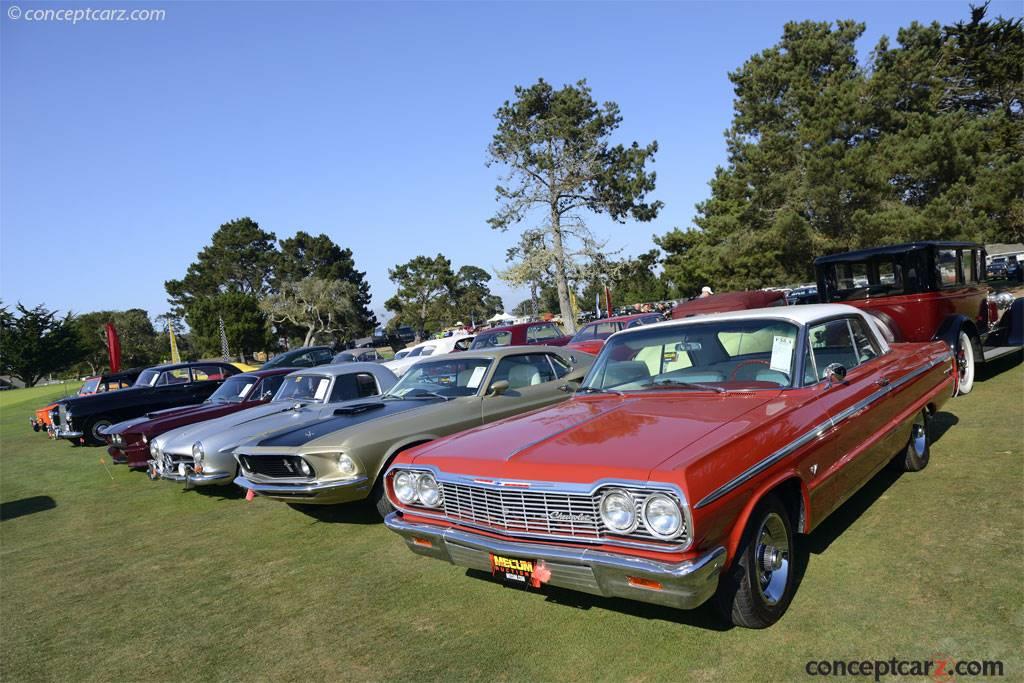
<point>123,146</point>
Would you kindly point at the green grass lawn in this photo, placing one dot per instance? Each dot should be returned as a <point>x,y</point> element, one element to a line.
<point>107,576</point>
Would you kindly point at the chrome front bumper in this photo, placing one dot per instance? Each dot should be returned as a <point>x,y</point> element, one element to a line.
<point>190,478</point>
<point>61,433</point>
<point>325,493</point>
<point>684,585</point>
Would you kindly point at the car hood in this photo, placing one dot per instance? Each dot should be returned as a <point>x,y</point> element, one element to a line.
<point>598,437</point>
<point>222,430</point>
<point>352,415</point>
<point>86,405</point>
<point>161,421</point>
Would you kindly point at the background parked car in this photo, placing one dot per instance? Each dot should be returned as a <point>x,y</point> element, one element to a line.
<point>358,355</point>
<point>590,338</point>
<point>431,347</point>
<point>164,386</point>
<point>47,416</point>
<point>521,334</point>
<point>128,441</point>
<point>339,459</point>
<point>200,454</point>
<point>303,357</point>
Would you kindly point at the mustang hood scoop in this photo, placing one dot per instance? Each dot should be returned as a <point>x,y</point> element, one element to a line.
<point>358,408</point>
<point>344,416</point>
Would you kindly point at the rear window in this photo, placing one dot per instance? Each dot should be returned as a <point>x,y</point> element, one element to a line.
<point>489,340</point>
<point>542,332</point>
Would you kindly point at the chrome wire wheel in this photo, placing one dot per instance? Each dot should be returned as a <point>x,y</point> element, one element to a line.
<point>772,554</point>
<point>964,364</point>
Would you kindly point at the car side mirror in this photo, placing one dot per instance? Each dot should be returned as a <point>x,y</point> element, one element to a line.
<point>835,373</point>
<point>576,374</point>
<point>498,388</point>
<point>570,386</point>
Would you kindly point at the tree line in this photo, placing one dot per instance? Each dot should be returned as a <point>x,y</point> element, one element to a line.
<point>825,154</point>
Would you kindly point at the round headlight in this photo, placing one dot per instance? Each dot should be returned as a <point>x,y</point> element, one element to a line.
<point>428,490</point>
<point>154,450</point>
<point>197,452</point>
<point>304,466</point>
<point>145,439</point>
<point>404,484</point>
<point>662,516</point>
<point>347,466</point>
<point>618,510</point>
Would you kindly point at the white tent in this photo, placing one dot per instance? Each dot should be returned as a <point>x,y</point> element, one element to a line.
<point>498,317</point>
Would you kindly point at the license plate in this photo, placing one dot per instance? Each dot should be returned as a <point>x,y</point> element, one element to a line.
<point>519,572</point>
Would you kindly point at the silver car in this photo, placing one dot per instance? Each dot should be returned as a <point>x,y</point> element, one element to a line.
<point>200,454</point>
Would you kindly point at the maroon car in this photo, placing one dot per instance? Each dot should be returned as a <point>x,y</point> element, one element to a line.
<point>729,301</point>
<point>541,332</point>
<point>128,441</point>
<point>927,290</point>
<point>591,336</point>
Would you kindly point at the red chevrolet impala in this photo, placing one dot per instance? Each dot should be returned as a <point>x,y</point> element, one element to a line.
<point>685,464</point>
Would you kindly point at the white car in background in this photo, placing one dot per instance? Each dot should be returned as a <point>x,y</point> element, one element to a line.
<point>431,347</point>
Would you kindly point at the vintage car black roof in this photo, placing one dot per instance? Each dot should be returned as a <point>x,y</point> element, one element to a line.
<point>860,255</point>
<point>188,364</point>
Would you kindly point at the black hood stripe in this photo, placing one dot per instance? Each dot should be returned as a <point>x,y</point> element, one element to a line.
<point>299,436</point>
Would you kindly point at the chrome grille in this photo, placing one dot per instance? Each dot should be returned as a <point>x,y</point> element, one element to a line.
<point>544,513</point>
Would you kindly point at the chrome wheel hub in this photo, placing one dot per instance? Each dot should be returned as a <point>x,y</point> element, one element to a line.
<point>919,436</point>
<point>771,554</point>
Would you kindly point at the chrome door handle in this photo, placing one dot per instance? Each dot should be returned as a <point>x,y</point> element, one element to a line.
<point>884,382</point>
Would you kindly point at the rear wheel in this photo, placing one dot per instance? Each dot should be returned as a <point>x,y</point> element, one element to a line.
<point>965,364</point>
<point>760,586</point>
<point>914,457</point>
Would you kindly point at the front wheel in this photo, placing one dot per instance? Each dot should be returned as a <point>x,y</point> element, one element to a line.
<point>94,432</point>
<point>760,586</point>
<point>964,364</point>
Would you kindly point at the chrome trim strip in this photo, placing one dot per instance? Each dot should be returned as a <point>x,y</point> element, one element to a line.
<point>817,431</point>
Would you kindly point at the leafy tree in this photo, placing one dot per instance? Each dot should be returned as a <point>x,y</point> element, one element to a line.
<point>36,342</point>
<point>239,259</point>
<point>318,305</point>
<point>227,279</point>
<point>472,296</point>
<point>139,343</point>
<point>304,256</point>
<point>826,155</point>
<point>244,324</point>
<point>423,298</point>
<point>555,145</point>
<point>631,281</point>
<point>527,307</point>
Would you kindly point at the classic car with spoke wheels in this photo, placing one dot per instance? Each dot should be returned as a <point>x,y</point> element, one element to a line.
<point>128,441</point>
<point>684,466</point>
<point>200,454</point>
<point>928,290</point>
<point>86,418</point>
<point>48,417</point>
<point>340,459</point>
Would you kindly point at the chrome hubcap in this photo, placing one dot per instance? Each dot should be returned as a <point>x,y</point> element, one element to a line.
<point>919,436</point>
<point>772,558</point>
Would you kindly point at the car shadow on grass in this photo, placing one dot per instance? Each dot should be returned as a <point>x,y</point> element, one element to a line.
<point>25,506</point>
<point>220,492</point>
<point>706,616</point>
<point>345,513</point>
<point>987,371</point>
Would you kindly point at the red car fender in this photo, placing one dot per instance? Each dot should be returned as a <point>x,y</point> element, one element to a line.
<point>736,535</point>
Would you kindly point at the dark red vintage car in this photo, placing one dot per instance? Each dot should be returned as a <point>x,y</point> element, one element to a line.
<point>928,290</point>
<point>591,336</point>
<point>684,466</point>
<point>541,332</point>
<point>128,441</point>
<point>728,301</point>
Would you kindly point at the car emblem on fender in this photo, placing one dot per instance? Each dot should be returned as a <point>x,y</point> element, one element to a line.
<point>309,433</point>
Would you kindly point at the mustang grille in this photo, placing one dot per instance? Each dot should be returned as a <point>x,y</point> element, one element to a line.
<point>283,466</point>
<point>545,513</point>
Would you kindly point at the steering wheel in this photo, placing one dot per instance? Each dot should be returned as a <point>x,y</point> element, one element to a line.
<point>732,375</point>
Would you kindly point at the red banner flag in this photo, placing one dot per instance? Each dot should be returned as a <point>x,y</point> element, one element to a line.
<point>113,348</point>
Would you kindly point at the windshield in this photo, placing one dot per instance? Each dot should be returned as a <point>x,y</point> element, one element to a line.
<point>234,390</point>
<point>598,330</point>
<point>90,386</point>
<point>401,354</point>
<point>346,357</point>
<point>717,355</point>
<point>147,378</point>
<point>447,378</point>
<point>304,388</point>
